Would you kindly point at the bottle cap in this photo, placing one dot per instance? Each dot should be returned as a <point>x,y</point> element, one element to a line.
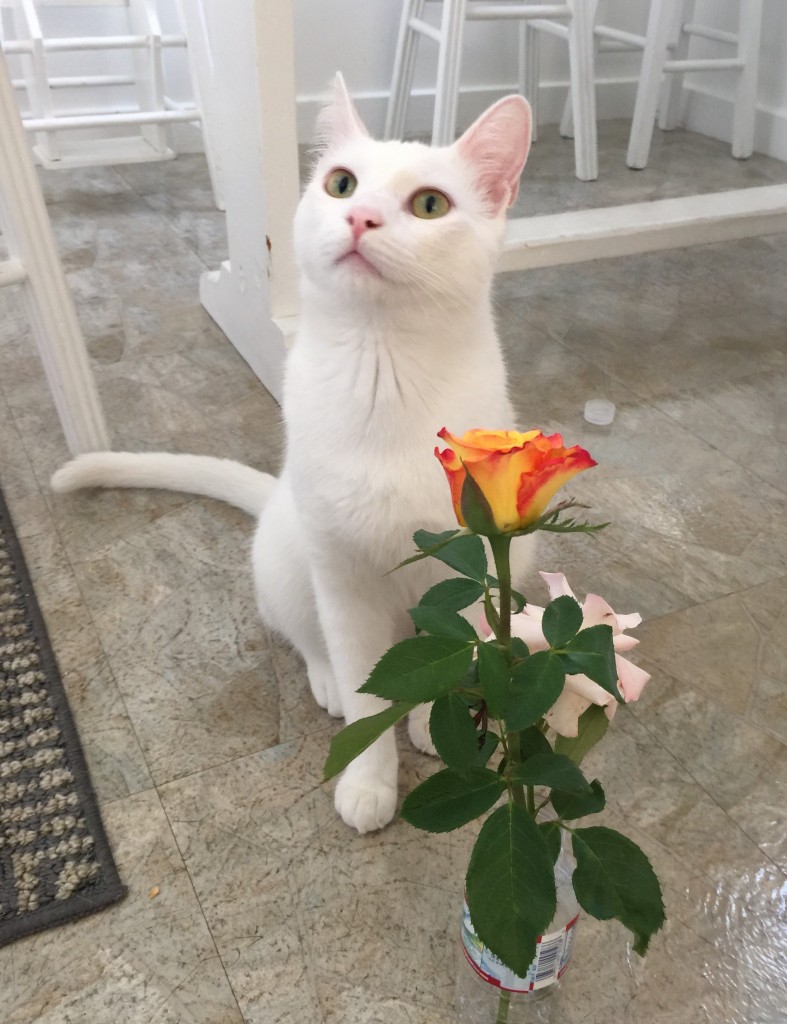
<point>599,411</point>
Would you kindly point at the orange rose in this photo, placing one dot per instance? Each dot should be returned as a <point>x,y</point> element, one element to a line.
<point>517,474</point>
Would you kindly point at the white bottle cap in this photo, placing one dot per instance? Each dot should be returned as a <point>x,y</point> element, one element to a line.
<point>599,411</point>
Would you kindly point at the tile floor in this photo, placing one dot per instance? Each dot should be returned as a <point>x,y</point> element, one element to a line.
<point>204,744</point>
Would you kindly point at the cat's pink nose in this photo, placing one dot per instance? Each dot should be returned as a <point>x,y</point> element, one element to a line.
<point>362,219</point>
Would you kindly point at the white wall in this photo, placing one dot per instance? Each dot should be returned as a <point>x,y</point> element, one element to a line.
<point>358,37</point>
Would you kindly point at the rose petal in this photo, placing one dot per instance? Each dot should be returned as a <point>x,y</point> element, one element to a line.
<point>596,612</point>
<point>631,678</point>
<point>624,642</point>
<point>527,626</point>
<point>563,715</point>
<point>557,584</point>
<point>589,690</point>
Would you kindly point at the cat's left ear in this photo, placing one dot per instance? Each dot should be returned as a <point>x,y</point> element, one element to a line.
<point>338,121</point>
<point>497,145</point>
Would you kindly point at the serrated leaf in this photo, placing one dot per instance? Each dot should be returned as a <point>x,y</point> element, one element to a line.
<point>453,595</point>
<point>553,770</point>
<point>614,878</point>
<point>591,727</point>
<point>419,669</point>
<point>550,830</point>
<point>591,653</point>
<point>450,798</point>
<point>494,675</point>
<point>576,805</point>
<point>561,621</point>
<point>425,541</point>
<point>439,622</point>
<point>465,554</point>
<point>356,737</point>
<point>453,732</point>
<point>519,648</point>
<point>511,886</point>
<point>532,742</point>
<point>536,685</point>
<point>489,744</point>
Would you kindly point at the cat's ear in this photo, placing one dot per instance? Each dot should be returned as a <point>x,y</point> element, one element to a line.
<point>497,145</point>
<point>338,121</point>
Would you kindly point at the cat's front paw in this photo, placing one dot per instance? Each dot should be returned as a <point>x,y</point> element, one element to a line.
<point>418,729</point>
<point>365,802</point>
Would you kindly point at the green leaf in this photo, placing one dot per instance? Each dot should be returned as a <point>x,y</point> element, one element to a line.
<point>519,648</point>
<point>453,732</point>
<point>537,684</point>
<point>440,622</point>
<point>465,554</point>
<point>511,886</point>
<point>591,653</point>
<point>591,726</point>
<point>533,742</point>
<point>451,798</point>
<point>421,668</point>
<point>356,737</point>
<point>553,770</point>
<point>550,830</point>
<point>494,674</point>
<point>518,602</point>
<point>476,510</point>
<point>453,595</point>
<point>561,621</point>
<point>614,878</point>
<point>426,541</point>
<point>489,744</point>
<point>570,805</point>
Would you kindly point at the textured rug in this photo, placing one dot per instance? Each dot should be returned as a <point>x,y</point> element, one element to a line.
<point>55,861</point>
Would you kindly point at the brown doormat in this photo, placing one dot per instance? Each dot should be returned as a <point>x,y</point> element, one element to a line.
<point>55,861</point>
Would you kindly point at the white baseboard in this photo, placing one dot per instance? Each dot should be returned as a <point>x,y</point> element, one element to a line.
<point>711,115</point>
<point>615,98</point>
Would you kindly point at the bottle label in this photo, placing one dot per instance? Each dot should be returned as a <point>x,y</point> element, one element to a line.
<point>553,953</point>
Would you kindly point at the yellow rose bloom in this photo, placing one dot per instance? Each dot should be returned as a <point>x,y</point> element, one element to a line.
<point>517,473</point>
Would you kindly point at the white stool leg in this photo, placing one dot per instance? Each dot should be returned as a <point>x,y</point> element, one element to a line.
<point>749,31</point>
<point>583,87</point>
<point>653,60</point>
<point>672,88</point>
<point>448,68</point>
<point>404,66</point>
<point>56,329</point>
<point>529,69</point>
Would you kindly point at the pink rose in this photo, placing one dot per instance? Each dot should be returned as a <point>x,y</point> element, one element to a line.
<point>580,692</point>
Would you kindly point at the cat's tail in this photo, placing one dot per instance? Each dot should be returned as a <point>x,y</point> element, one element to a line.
<point>229,481</point>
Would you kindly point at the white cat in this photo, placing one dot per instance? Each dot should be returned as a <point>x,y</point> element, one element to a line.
<point>397,244</point>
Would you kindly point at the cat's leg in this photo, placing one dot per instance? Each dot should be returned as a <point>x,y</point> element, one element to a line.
<point>285,595</point>
<point>360,622</point>
<point>418,729</point>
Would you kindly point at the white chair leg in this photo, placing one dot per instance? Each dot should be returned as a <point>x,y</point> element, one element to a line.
<point>653,60</point>
<point>749,31</point>
<point>529,60</point>
<point>404,66</point>
<point>448,68</point>
<point>56,330</point>
<point>672,87</point>
<point>583,87</point>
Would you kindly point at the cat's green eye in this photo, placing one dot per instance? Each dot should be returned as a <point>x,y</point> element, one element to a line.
<point>341,183</point>
<point>430,203</point>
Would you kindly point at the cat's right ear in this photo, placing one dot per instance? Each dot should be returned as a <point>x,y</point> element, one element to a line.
<point>338,121</point>
<point>497,145</point>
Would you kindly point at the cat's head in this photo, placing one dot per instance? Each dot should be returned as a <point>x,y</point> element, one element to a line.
<point>388,220</point>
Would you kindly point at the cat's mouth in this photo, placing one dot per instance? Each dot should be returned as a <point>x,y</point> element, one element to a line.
<point>355,259</point>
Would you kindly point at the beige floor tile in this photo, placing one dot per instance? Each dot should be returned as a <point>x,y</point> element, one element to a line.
<point>146,959</point>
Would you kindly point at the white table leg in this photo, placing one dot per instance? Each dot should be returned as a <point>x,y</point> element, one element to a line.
<point>53,318</point>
